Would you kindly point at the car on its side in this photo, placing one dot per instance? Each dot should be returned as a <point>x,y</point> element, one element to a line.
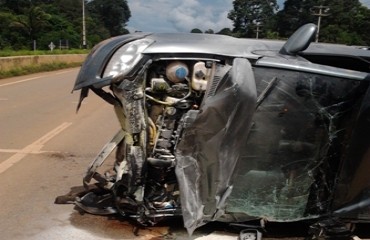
<point>215,128</point>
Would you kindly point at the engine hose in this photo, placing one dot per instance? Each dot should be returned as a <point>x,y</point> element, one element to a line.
<point>172,103</point>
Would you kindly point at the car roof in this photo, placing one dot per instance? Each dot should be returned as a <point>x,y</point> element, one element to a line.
<point>239,47</point>
<point>210,44</point>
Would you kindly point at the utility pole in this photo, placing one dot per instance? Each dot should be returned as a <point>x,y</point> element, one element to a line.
<point>83,26</point>
<point>258,30</point>
<point>322,12</point>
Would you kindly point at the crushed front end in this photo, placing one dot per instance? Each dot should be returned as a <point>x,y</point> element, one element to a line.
<point>179,116</point>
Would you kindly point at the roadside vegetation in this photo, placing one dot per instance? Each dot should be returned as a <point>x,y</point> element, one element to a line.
<point>34,24</point>
<point>37,68</point>
<point>343,22</point>
<point>29,27</point>
<point>12,53</point>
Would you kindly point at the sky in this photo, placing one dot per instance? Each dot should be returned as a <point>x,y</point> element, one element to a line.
<point>182,15</point>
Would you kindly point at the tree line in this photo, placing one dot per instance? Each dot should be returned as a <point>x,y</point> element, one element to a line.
<point>26,22</point>
<point>344,22</point>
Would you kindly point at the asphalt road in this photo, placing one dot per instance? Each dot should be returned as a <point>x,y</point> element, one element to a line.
<point>45,148</point>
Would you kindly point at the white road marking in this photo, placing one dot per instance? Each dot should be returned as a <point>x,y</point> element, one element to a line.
<point>33,78</point>
<point>33,147</point>
<point>58,73</point>
<point>22,151</point>
<point>20,81</point>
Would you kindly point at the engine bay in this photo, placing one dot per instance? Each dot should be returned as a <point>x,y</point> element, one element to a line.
<point>153,110</point>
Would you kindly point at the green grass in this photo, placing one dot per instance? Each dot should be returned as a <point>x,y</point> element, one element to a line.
<point>37,68</point>
<point>11,53</point>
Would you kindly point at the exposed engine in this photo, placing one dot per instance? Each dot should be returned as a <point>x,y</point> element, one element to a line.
<point>154,109</point>
<point>173,103</point>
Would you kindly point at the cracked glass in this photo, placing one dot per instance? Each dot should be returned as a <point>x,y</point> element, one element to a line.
<point>302,124</point>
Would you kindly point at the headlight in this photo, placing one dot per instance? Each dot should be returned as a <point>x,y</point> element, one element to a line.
<point>125,58</point>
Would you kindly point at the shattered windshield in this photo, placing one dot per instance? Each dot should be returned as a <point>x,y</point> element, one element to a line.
<point>289,165</point>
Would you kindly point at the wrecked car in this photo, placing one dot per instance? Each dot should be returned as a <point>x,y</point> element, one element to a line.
<point>215,128</point>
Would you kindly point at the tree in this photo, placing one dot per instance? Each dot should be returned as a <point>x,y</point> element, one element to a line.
<point>9,38</point>
<point>294,14</point>
<point>59,20</point>
<point>114,14</point>
<point>196,30</point>
<point>247,13</point>
<point>16,7</point>
<point>60,32</point>
<point>95,28</point>
<point>225,31</point>
<point>32,22</point>
<point>348,19</point>
<point>345,22</point>
<point>209,31</point>
<point>96,31</point>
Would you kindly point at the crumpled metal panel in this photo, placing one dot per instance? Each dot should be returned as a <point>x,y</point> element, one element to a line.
<point>209,150</point>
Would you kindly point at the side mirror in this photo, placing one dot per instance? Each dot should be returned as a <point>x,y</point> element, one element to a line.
<point>300,40</point>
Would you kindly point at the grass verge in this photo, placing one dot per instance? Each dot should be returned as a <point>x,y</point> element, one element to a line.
<point>11,53</point>
<point>37,68</point>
